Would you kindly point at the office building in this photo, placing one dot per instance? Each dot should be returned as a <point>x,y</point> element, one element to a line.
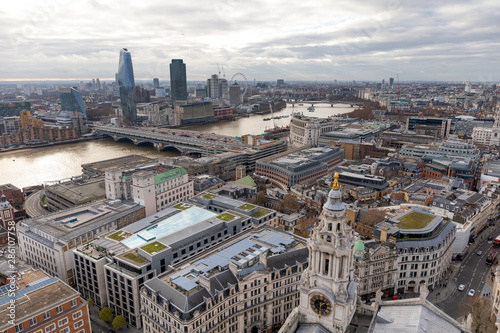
<point>127,258</point>
<point>250,282</point>
<point>178,80</point>
<point>46,241</point>
<point>391,81</point>
<point>126,84</point>
<point>13,108</point>
<point>156,82</point>
<point>77,191</point>
<point>425,249</point>
<point>299,165</point>
<point>235,94</point>
<point>193,113</point>
<point>376,265</point>
<point>42,304</point>
<point>305,131</point>
<point>72,100</point>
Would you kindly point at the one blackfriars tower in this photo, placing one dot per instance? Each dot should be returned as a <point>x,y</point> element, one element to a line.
<point>127,87</point>
<point>178,82</point>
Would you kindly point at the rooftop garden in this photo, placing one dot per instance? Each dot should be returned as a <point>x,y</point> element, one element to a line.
<point>120,235</point>
<point>226,217</point>
<point>261,212</point>
<point>134,257</point>
<point>209,196</point>
<point>246,207</point>
<point>182,206</point>
<point>415,220</point>
<point>153,247</point>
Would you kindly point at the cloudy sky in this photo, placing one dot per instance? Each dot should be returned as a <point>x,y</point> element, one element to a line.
<point>265,40</point>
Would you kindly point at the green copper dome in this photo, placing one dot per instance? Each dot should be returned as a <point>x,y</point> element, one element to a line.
<point>359,245</point>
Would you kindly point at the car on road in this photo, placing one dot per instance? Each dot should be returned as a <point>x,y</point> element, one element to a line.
<point>461,287</point>
<point>471,292</point>
<point>479,252</point>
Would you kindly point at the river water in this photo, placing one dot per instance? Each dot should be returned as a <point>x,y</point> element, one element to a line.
<point>36,166</point>
<point>255,124</point>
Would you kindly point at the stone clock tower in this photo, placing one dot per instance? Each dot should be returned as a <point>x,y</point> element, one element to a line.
<point>328,289</point>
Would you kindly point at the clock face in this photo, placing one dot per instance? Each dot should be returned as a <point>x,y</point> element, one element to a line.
<point>321,305</point>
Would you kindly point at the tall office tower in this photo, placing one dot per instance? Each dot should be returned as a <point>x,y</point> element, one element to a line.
<point>178,81</point>
<point>383,81</point>
<point>235,94</point>
<point>391,81</point>
<point>213,87</point>
<point>93,84</point>
<point>156,82</point>
<point>224,88</point>
<point>379,86</point>
<point>98,84</point>
<point>126,85</point>
<point>72,100</point>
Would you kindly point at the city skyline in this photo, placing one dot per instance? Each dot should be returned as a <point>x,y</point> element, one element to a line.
<point>295,41</point>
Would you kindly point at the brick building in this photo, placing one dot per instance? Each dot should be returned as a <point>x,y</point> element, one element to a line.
<point>43,304</point>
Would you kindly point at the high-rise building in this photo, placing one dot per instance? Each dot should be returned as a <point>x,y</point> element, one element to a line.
<point>391,81</point>
<point>72,100</point>
<point>126,85</point>
<point>235,94</point>
<point>156,82</point>
<point>213,87</point>
<point>98,84</point>
<point>178,81</point>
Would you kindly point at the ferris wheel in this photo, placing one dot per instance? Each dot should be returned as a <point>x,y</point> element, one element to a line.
<point>240,80</point>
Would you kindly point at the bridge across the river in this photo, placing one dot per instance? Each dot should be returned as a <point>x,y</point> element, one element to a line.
<point>184,141</point>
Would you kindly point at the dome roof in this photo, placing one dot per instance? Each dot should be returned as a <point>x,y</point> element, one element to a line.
<point>359,245</point>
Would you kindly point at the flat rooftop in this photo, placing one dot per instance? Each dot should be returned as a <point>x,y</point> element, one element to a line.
<point>243,252</point>
<point>188,216</point>
<point>73,222</point>
<point>130,161</point>
<point>80,190</point>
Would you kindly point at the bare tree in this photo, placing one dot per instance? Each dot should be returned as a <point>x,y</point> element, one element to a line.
<point>261,198</point>
<point>480,309</point>
<point>288,204</point>
<point>302,228</point>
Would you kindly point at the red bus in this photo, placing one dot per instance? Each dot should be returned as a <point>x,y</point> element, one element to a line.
<point>491,257</point>
<point>496,241</point>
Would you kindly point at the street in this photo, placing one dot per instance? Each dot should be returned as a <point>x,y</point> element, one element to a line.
<point>472,273</point>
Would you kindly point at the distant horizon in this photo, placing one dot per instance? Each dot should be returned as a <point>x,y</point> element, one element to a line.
<point>87,80</point>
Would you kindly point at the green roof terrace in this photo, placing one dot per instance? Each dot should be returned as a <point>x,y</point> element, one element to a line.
<point>153,247</point>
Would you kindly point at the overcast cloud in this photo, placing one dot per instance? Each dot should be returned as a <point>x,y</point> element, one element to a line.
<point>265,40</point>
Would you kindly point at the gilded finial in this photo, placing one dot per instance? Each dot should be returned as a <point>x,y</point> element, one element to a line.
<point>335,183</point>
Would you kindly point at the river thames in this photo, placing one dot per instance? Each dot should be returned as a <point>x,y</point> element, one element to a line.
<point>37,166</point>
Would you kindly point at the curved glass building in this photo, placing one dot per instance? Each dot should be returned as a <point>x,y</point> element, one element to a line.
<point>126,84</point>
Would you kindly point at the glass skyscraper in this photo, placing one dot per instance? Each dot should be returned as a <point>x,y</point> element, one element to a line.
<point>126,85</point>
<point>72,100</point>
<point>178,82</point>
